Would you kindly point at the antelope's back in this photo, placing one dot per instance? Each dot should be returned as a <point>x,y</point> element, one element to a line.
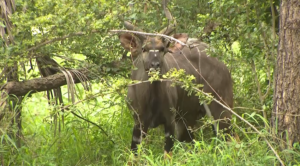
<point>209,71</point>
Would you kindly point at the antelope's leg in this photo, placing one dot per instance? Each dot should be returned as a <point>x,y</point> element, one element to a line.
<point>223,116</point>
<point>169,131</point>
<point>183,133</point>
<point>138,132</point>
<point>136,137</point>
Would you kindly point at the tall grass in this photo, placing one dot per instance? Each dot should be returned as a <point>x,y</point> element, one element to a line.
<point>81,143</point>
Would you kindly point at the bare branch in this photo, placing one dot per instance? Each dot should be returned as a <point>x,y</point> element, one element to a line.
<point>258,88</point>
<point>256,80</point>
<point>269,85</point>
<point>273,20</point>
<point>105,133</point>
<point>150,34</point>
<point>246,108</point>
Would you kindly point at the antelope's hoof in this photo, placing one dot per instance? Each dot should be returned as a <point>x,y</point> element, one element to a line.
<point>237,138</point>
<point>167,155</point>
<point>234,136</point>
<point>129,163</point>
<point>133,160</point>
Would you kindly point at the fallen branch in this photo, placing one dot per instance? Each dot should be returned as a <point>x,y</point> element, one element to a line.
<point>57,80</point>
<point>38,84</point>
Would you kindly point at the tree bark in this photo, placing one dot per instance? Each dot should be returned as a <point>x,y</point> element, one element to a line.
<point>286,109</point>
<point>38,84</point>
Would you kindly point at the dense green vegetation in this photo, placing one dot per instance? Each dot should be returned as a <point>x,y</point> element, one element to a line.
<point>76,33</point>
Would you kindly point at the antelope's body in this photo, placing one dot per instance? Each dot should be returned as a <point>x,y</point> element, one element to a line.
<point>161,104</point>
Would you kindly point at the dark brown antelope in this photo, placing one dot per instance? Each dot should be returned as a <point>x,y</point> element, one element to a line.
<point>154,103</point>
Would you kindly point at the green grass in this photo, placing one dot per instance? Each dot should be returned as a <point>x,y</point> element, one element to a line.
<point>81,143</point>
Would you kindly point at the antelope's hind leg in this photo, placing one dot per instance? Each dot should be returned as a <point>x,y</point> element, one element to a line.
<point>139,132</point>
<point>169,143</point>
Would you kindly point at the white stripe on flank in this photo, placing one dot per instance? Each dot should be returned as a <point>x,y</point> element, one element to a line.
<point>208,112</point>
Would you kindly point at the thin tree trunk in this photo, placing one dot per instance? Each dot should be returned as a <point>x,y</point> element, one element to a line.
<point>14,104</point>
<point>286,110</point>
<point>11,71</point>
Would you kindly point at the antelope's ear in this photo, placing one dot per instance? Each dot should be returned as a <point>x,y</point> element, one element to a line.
<point>175,46</point>
<point>130,43</point>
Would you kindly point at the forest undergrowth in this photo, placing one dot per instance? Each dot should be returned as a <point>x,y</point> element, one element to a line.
<point>78,142</point>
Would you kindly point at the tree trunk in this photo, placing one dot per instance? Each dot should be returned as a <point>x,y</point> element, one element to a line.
<point>286,110</point>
